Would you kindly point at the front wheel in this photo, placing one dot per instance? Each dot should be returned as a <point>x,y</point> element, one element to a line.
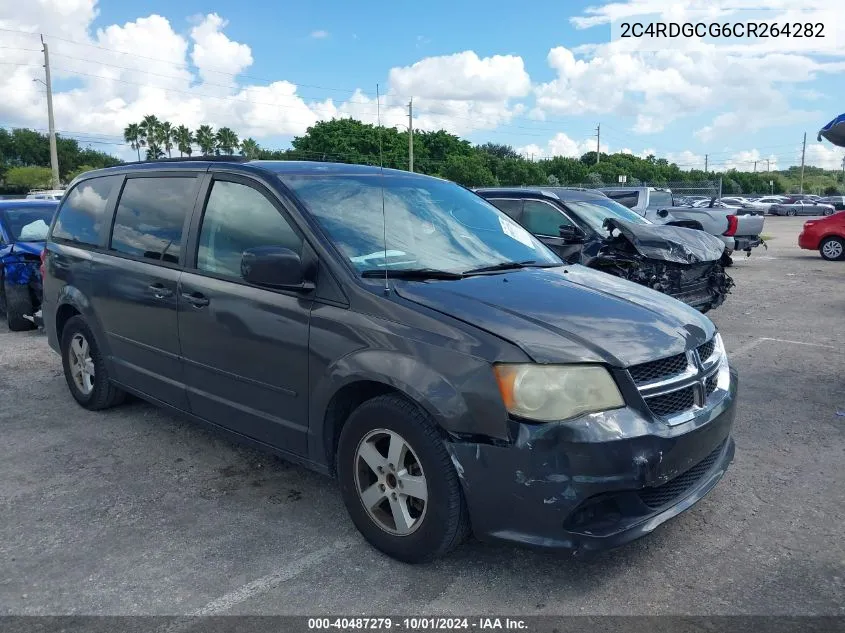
<point>18,303</point>
<point>832,249</point>
<point>791,212</point>
<point>398,482</point>
<point>828,212</point>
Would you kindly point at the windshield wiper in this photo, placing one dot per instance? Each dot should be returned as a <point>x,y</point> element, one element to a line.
<point>530,263</point>
<point>411,273</point>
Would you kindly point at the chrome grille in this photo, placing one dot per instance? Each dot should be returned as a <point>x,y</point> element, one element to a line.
<point>672,402</point>
<point>659,369</point>
<point>677,387</point>
<point>706,351</point>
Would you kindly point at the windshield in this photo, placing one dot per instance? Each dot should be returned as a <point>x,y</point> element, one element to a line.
<point>595,212</point>
<point>30,224</point>
<point>659,199</point>
<point>431,224</point>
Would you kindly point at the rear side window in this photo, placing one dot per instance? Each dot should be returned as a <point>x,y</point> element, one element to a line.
<point>626,198</point>
<point>511,208</point>
<point>150,216</point>
<point>238,217</point>
<point>81,216</point>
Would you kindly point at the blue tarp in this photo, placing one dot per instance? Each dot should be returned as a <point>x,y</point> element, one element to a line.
<point>834,131</point>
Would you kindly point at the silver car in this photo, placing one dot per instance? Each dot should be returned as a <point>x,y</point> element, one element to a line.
<point>802,207</point>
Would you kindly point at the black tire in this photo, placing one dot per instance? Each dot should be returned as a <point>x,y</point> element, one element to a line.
<point>792,213</point>
<point>727,261</point>
<point>832,241</point>
<point>18,303</point>
<point>828,212</point>
<point>445,524</point>
<point>104,394</point>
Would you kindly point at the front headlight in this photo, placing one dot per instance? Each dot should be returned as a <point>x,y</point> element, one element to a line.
<point>556,392</point>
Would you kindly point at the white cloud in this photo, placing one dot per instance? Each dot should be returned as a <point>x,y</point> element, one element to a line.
<point>463,76</point>
<point>823,155</point>
<point>695,77</point>
<point>320,34</point>
<point>562,145</point>
<point>122,72</point>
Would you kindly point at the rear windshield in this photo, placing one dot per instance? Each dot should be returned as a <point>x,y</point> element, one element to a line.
<point>30,224</point>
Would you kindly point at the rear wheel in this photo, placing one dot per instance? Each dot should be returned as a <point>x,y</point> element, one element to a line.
<point>828,212</point>
<point>18,303</point>
<point>792,212</point>
<point>85,368</point>
<point>398,482</point>
<point>832,248</point>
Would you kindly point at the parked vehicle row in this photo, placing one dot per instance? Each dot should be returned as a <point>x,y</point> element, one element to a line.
<point>401,334</point>
<point>802,207</point>
<point>23,229</point>
<point>738,233</point>
<point>589,228</point>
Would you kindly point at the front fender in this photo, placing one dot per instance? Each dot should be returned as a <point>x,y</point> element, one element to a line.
<point>467,402</point>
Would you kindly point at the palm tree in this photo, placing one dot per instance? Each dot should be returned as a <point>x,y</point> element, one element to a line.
<point>132,135</point>
<point>164,136</point>
<point>250,148</point>
<point>184,139</point>
<point>227,141</point>
<point>205,139</point>
<point>149,136</point>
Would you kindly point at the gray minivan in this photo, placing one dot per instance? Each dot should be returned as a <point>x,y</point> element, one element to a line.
<point>395,331</point>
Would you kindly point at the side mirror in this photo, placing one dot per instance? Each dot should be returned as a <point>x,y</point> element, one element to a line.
<point>571,234</point>
<point>662,213</point>
<point>274,267</point>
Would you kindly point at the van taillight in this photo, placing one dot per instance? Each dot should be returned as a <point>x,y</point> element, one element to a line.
<point>733,222</point>
<point>43,262</point>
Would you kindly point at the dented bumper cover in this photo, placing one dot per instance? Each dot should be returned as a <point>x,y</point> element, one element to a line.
<point>597,482</point>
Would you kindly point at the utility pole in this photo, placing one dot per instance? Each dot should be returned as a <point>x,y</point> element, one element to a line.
<point>54,156</point>
<point>768,165</point>
<point>706,156</point>
<point>598,143</point>
<point>803,151</point>
<point>755,166</point>
<point>411,135</point>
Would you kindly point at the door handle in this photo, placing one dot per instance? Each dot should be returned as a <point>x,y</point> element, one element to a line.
<point>159,291</point>
<point>195,299</point>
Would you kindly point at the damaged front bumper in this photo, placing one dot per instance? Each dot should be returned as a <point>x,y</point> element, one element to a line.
<point>597,482</point>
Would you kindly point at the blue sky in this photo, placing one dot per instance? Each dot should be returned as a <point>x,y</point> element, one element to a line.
<point>557,79</point>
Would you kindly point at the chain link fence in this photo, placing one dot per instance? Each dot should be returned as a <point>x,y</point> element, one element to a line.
<point>707,188</point>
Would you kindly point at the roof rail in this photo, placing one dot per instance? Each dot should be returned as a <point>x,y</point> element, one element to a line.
<point>207,159</point>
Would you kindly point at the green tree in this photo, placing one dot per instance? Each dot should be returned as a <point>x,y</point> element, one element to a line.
<point>149,136</point>
<point>132,135</point>
<point>206,139</point>
<point>184,138</point>
<point>250,148</point>
<point>30,177</point>
<point>164,136</point>
<point>227,141</point>
<point>498,150</point>
<point>79,170</point>
<point>470,171</point>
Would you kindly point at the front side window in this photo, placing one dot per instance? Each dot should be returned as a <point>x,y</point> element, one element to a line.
<point>81,215</point>
<point>541,218</point>
<point>238,217</point>
<point>660,199</point>
<point>510,207</point>
<point>427,223</point>
<point>149,218</point>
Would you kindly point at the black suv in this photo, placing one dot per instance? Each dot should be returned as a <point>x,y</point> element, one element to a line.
<point>398,332</point>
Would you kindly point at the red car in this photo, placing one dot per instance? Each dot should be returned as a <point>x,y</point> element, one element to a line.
<point>826,235</point>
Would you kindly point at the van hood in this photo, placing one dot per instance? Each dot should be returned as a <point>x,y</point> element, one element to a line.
<point>669,243</point>
<point>568,314</point>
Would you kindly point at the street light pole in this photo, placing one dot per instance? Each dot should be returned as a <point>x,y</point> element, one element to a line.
<point>411,135</point>
<point>54,155</point>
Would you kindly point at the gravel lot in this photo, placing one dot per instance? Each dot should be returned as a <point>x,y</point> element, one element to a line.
<point>134,511</point>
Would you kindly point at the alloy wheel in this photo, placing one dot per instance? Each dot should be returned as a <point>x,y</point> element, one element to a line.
<point>81,364</point>
<point>832,249</point>
<point>390,482</point>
